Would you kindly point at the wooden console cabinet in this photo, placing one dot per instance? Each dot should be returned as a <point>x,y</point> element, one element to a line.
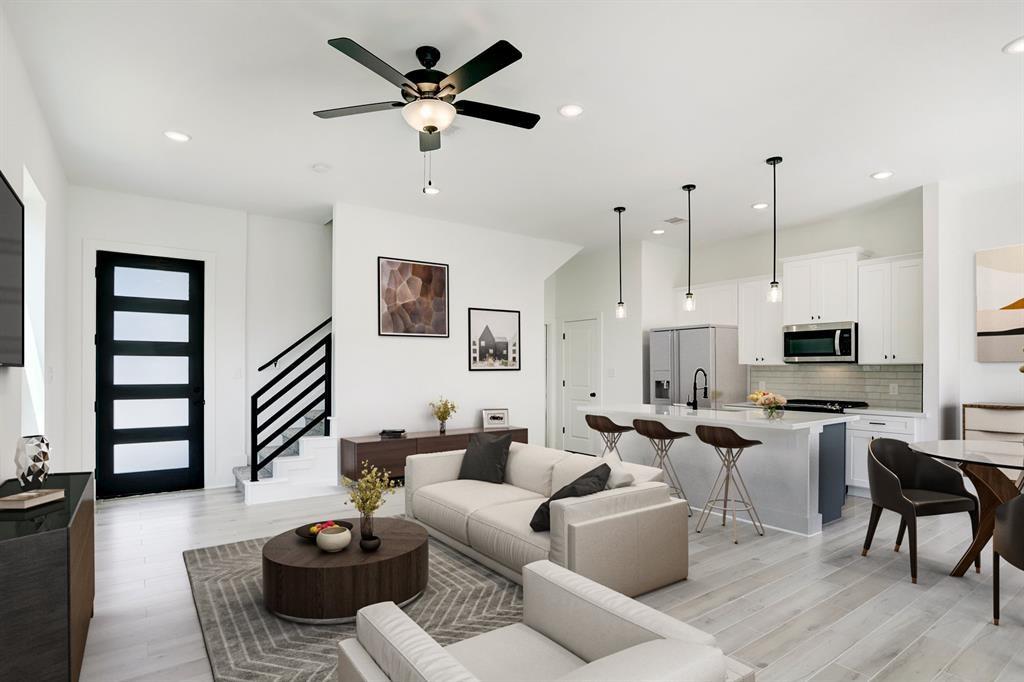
<point>389,453</point>
<point>993,421</point>
<point>47,581</point>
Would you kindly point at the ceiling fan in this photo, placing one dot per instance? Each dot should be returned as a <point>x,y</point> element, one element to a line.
<point>430,105</point>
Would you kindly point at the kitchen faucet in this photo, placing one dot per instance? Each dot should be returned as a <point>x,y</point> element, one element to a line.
<point>692,404</point>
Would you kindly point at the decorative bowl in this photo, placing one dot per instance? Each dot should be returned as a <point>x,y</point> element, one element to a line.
<point>370,544</point>
<point>333,539</point>
<point>305,533</point>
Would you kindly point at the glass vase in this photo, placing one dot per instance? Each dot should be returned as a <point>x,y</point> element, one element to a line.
<point>442,427</point>
<point>772,412</point>
<point>366,526</point>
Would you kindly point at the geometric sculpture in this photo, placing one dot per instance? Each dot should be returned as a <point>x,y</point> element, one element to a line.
<point>32,459</point>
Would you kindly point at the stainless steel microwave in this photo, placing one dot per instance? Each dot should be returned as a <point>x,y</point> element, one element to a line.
<point>821,342</point>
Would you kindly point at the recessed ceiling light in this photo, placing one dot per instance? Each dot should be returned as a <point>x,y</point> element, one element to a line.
<point>882,175</point>
<point>570,110</point>
<point>1014,46</point>
<point>321,167</point>
<point>177,135</point>
<point>759,206</point>
<point>658,231</point>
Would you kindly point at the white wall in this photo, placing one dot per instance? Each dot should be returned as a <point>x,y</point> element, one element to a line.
<point>25,143</point>
<point>386,382</point>
<point>102,220</point>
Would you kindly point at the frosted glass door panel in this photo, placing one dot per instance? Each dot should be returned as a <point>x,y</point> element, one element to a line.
<point>146,414</point>
<point>145,283</point>
<point>131,326</point>
<point>132,458</point>
<point>150,369</point>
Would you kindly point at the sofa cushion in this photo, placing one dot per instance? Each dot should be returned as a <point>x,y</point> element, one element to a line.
<point>503,533</point>
<point>660,660</point>
<point>446,506</point>
<point>589,483</point>
<point>486,457</point>
<point>514,653</point>
<point>530,466</point>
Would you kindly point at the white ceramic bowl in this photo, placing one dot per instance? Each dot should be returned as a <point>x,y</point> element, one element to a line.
<point>333,539</point>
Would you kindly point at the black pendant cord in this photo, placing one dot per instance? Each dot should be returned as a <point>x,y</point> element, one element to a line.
<point>619,210</point>
<point>689,238</point>
<point>773,162</point>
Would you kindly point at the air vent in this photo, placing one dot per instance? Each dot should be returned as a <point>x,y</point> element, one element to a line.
<point>675,220</point>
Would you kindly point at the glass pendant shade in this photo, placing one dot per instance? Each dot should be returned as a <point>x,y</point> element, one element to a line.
<point>689,305</point>
<point>774,293</point>
<point>429,189</point>
<point>428,113</point>
<point>620,311</point>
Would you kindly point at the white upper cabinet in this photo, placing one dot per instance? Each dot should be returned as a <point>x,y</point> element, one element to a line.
<point>821,288</point>
<point>759,325</point>
<point>890,312</point>
<point>715,304</point>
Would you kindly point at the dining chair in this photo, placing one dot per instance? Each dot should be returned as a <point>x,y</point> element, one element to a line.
<point>1007,543</point>
<point>912,485</point>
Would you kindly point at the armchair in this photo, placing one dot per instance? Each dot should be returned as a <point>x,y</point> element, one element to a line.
<point>912,485</point>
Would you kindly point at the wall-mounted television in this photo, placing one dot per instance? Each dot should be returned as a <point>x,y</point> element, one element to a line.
<point>12,277</point>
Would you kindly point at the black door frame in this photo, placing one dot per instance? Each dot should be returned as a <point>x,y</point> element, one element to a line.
<point>109,484</point>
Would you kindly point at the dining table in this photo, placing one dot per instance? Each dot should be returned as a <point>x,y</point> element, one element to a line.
<point>985,463</point>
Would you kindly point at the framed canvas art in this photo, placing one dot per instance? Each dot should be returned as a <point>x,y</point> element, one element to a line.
<point>494,340</point>
<point>412,298</point>
<point>999,288</point>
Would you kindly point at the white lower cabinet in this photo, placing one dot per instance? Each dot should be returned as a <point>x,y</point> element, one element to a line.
<point>859,435</point>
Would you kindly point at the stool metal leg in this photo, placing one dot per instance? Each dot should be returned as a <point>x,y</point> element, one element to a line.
<point>705,513</point>
<point>661,460</point>
<point>611,445</point>
<point>728,475</point>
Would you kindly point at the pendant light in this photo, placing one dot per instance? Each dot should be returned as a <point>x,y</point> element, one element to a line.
<point>428,174</point>
<point>689,304</point>
<point>620,307</point>
<point>774,292</point>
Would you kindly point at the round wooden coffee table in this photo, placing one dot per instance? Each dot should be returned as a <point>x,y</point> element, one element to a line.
<point>304,584</point>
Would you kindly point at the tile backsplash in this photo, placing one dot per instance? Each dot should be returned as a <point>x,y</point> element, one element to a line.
<point>870,383</point>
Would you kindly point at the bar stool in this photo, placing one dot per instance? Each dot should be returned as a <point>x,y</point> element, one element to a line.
<point>729,445</point>
<point>610,433</point>
<point>661,438</point>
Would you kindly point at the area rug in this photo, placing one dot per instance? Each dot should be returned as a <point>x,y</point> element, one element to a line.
<point>246,642</point>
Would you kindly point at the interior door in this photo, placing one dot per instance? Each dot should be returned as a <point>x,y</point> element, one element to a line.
<point>581,374</point>
<point>149,374</point>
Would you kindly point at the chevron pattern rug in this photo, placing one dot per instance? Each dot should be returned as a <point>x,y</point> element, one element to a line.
<point>246,642</point>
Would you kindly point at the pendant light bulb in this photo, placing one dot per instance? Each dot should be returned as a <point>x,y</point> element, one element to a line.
<point>774,292</point>
<point>620,307</point>
<point>689,305</point>
<point>430,189</point>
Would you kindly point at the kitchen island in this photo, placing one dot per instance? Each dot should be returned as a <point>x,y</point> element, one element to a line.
<point>797,475</point>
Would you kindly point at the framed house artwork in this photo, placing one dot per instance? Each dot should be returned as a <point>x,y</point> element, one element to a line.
<point>494,340</point>
<point>999,289</point>
<point>412,298</point>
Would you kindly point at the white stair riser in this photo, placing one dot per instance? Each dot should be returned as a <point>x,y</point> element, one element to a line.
<point>314,471</point>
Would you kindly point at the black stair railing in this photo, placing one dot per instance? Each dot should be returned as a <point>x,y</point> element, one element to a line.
<point>262,417</point>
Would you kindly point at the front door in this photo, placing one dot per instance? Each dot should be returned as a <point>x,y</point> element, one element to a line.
<point>149,374</point>
<point>581,359</point>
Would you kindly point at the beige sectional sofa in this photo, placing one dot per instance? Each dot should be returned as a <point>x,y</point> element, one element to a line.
<point>632,539</point>
<point>572,629</point>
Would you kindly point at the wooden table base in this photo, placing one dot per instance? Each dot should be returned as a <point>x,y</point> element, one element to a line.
<point>994,488</point>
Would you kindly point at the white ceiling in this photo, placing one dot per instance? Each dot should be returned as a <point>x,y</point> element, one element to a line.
<point>681,92</point>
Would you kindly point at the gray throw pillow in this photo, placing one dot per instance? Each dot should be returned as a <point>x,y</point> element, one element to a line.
<point>486,457</point>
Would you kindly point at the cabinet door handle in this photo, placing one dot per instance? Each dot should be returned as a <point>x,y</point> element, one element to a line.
<point>878,423</point>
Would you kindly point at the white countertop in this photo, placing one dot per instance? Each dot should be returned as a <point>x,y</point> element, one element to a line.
<point>879,411</point>
<point>747,418</point>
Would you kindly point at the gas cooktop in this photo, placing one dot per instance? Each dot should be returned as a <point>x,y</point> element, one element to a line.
<point>817,405</point>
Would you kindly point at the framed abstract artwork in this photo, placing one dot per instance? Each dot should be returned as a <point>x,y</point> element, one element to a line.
<point>412,298</point>
<point>999,288</point>
<point>494,339</point>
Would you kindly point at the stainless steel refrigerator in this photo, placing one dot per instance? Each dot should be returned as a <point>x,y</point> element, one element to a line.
<point>676,353</point>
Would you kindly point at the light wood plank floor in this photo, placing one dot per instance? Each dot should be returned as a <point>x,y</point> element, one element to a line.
<point>793,608</point>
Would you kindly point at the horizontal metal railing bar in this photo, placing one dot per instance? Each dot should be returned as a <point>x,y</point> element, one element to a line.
<point>290,404</point>
<point>277,432</point>
<point>290,385</point>
<point>298,361</point>
<point>289,349</point>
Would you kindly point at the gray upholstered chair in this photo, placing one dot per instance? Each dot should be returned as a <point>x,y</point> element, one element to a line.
<point>912,485</point>
<point>1007,543</point>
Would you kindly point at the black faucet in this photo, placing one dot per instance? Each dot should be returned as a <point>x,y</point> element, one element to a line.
<point>692,404</point>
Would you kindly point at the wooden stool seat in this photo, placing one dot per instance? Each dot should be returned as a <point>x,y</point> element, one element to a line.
<point>610,433</point>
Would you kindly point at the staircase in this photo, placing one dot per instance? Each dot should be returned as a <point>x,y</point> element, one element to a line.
<point>291,452</point>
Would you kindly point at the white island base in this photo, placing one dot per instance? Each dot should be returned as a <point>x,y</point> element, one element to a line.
<point>782,474</point>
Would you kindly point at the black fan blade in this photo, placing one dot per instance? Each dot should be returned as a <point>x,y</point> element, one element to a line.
<point>490,61</point>
<point>511,117</point>
<point>371,61</point>
<point>359,109</point>
<point>430,142</point>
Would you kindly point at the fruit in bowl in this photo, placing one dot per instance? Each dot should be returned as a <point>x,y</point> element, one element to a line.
<point>317,527</point>
<point>310,532</point>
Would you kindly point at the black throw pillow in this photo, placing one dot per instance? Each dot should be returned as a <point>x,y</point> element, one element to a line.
<point>486,457</point>
<point>589,483</point>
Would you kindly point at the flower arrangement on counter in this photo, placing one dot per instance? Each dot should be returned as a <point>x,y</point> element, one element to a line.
<point>771,403</point>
